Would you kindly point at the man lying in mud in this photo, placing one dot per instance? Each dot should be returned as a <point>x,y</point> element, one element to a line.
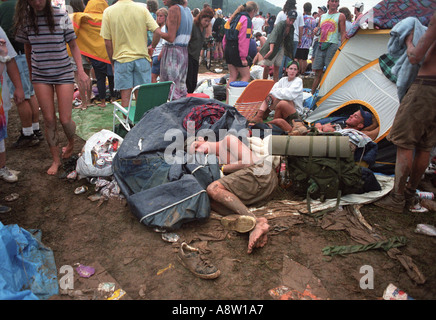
<point>247,180</point>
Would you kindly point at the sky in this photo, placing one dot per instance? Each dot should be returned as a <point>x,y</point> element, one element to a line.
<point>316,3</point>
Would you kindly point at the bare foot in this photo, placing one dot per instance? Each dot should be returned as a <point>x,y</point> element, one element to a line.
<point>258,237</point>
<point>53,170</point>
<point>67,151</point>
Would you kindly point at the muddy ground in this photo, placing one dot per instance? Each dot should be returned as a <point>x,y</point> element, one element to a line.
<point>145,266</point>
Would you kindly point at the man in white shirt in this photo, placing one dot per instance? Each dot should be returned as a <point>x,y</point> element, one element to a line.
<point>258,23</point>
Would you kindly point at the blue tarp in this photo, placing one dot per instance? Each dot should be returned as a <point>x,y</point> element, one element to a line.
<point>27,267</point>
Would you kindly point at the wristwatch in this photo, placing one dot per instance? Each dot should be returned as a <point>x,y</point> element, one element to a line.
<point>5,59</point>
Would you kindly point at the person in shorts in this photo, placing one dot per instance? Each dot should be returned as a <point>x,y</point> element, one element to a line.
<point>332,26</point>
<point>126,47</point>
<point>413,130</point>
<point>247,180</point>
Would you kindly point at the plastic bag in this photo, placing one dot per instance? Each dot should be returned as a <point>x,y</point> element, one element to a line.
<point>101,145</point>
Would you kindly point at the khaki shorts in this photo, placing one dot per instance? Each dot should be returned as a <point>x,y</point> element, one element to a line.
<point>250,186</point>
<point>276,61</point>
<point>415,122</point>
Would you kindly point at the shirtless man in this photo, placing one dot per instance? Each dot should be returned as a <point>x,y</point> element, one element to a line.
<point>413,128</point>
<point>246,183</point>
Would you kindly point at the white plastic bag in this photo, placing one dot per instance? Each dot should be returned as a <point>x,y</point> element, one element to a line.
<point>85,166</point>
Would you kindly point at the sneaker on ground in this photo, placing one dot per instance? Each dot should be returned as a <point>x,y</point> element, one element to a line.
<point>26,141</point>
<point>38,134</point>
<point>191,259</point>
<point>7,175</point>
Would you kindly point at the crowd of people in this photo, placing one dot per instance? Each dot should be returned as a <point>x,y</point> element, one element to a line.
<point>47,51</point>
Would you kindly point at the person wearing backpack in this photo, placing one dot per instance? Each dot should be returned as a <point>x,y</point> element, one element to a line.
<point>236,42</point>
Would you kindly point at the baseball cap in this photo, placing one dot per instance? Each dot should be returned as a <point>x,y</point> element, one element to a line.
<point>292,14</point>
<point>358,5</point>
<point>323,8</point>
<point>367,117</point>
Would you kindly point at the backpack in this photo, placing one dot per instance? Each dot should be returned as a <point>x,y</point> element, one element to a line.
<point>324,178</point>
<point>232,27</point>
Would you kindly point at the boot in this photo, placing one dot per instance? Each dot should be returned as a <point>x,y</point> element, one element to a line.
<point>392,202</point>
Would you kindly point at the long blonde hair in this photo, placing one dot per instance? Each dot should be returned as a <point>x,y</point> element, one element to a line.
<point>250,6</point>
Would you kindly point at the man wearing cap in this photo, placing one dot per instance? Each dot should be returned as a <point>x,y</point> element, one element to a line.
<point>358,10</point>
<point>277,45</point>
<point>413,129</point>
<point>332,26</point>
<point>360,120</point>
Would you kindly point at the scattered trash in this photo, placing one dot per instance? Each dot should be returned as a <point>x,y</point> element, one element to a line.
<point>85,271</point>
<point>393,293</point>
<point>165,269</point>
<point>170,237</point>
<point>426,229</point>
<point>106,287</point>
<point>285,293</point>
<point>12,197</point>
<point>72,175</point>
<point>117,295</point>
<point>425,195</point>
<point>418,208</point>
<point>81,190</point>
<point>95,197</point>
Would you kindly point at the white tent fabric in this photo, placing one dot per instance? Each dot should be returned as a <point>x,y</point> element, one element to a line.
<point>364,47</point>
<point>354,77</point>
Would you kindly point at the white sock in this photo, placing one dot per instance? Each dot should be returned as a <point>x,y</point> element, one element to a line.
<point>28,131</point>
<point>35,125</point>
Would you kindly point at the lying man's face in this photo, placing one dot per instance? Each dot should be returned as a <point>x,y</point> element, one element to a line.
<point>355,121</point>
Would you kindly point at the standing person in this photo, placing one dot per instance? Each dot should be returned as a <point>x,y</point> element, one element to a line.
<point>258,23</point>
<point>161,18</point>
<point>18,82</point>
<point>85,93</point>
<point>87,26</point>
<point>201,22</point>
<point>45,32</point>
<point>175,49</point>
<point>298,30</point>
<point>236,42</point>
<point>358,10</point>
<point>218,34</point>
<point>5,173</point>
<point>126,44</point>
<point>152,6</point>
<point>348,18</point>
<point>271,21</point>
<point>413,128</point>
<point>307,37</point>
<point>317,31</point>
<point>278,45</point>
<point>332,26</point>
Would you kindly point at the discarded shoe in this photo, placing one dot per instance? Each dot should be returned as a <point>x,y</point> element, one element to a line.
<point>236,222</point>
<point>12,197</point>
<point>392,202</point>
<point>191,259</point>
<point>7,175</point>
<point>4,209</point>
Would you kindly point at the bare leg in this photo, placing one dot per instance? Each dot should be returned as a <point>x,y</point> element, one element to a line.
<point>45,95</point>
<point>284,109</point>
<point>64,93</point>
<point>258,236</point>
<point>420,163</point>
<point>403,167</point>
<point>317,80</point>
<point>35,108</point>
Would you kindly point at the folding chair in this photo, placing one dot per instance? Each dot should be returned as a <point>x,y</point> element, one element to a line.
<point>252,97</point>
<point>148,96</point>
